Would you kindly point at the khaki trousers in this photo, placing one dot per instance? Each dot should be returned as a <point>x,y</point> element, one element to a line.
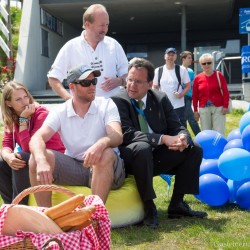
<point>211,118</point>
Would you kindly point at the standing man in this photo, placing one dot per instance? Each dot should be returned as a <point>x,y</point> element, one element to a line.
<point>169,79</point>
<point>154,143</point>
<point>186,58</point>
<point>92,48</point>
<point>90,130</point>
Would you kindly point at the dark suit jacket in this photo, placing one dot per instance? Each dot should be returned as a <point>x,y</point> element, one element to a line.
<point>160,116</point>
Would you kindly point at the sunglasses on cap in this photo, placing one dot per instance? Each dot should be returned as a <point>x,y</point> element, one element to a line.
<point>87,83</point>
<point>208,63</point>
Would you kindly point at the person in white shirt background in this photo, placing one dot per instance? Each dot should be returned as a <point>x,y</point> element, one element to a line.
<point>169,83</point>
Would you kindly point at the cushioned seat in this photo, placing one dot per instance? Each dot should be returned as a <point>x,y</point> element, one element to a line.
<point>124,204</point>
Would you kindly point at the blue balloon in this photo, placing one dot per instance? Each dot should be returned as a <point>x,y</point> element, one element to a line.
<point>233,188</point>
<point>246,137</point>
<point>234,164</point>
<point>212,143</point>
<point>244,121</point>
<point>234,134</point>
<point>213,190</point>
<point>210,166</point>
<point>232,191</point>
<point>234,143</point>
<point>243,196</point>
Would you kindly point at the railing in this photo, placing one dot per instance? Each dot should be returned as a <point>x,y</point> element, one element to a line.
<point>225,66</point>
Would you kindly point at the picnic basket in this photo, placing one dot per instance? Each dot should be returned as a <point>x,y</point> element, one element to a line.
<point>55,242</point>
<point>27,244</point>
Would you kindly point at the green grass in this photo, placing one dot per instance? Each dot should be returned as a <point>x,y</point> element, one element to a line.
<point>227,226</point>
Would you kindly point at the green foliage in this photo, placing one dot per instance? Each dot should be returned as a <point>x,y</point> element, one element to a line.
<point>15,26</point>
<point>8,66</point>
<point>238,112</point>
<point>16,14</point>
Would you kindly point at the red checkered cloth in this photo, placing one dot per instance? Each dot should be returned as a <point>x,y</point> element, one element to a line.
<point>87,239</point>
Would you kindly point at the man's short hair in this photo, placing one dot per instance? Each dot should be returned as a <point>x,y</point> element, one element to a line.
<point>185,53</point>
<point>89,14</point>
<point>143,63</point>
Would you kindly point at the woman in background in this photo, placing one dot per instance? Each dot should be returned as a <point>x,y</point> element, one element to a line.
<point>22,117</point>
<point>213,105</point>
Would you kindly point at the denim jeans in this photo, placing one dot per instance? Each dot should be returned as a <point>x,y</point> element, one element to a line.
<point>181,114</point>
<point>190,115</point>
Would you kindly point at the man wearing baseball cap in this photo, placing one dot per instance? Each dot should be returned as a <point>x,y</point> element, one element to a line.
<point>90,130</point>
<point>170,78</point>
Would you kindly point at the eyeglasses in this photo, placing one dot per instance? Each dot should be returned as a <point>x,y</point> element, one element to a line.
<point>208,63</point>
<point>137,82</point>
<point>87,83</point>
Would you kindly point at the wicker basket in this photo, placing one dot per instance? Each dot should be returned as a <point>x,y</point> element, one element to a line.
<point>26,244</point>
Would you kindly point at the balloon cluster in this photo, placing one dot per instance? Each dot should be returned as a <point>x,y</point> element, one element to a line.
<point>225,169</point>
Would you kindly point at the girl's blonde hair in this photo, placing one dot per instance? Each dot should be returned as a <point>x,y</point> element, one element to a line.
<point>8,113</point>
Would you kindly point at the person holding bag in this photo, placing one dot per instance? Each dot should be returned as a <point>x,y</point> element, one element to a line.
<point>211,99</point>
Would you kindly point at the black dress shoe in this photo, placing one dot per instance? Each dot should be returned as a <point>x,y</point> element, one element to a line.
<point>151,218</point>
<point>182,209</point>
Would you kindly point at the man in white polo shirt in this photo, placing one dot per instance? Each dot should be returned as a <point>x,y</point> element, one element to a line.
<point>90,129</point>
<point>92,48</point>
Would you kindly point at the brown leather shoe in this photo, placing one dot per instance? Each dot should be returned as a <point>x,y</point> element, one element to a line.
<point>182,209</point>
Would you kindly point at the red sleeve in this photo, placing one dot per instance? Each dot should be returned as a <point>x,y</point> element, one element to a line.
<point>36,122</point>
<point>7,141</point>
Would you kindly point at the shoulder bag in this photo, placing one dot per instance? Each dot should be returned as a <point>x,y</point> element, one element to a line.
<point>230,105</point>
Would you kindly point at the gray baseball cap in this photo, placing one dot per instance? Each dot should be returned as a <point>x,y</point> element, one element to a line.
<point>81,72</point>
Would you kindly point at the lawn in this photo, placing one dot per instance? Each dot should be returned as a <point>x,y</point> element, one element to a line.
<point>227,226</point>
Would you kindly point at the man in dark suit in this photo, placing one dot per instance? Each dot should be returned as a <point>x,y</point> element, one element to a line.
<point>165,147</point>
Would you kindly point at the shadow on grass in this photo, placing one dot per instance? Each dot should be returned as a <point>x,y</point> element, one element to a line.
<point>217,220</point>
<point>140,234</point>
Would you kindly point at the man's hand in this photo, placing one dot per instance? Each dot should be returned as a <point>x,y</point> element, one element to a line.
<point>176,143</point>
<point>44,174</point>
<point>110,83</point>
<point>93,155</point>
